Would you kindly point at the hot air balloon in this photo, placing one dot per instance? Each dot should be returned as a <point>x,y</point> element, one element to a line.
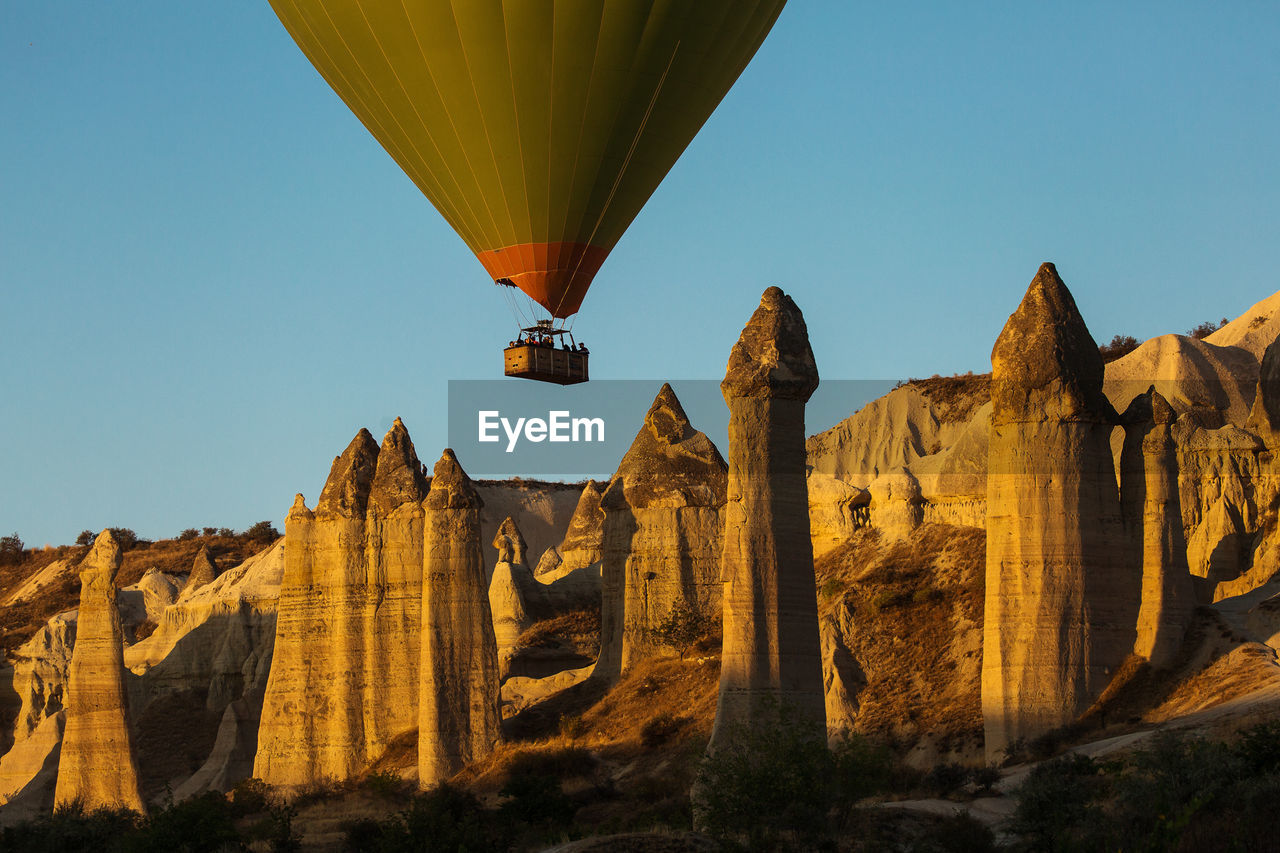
<point>538,128</point>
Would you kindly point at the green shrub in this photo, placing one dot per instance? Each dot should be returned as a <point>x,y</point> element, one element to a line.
<point>778,786</point>
<point>442,820</point>
<point>70,829</point>
<point>682,627</point>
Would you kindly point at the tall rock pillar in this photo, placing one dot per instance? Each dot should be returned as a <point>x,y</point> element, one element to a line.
<point>312,713</point>
<point>1061,603</point>
<point>97,765</point>
<point>772,658</point>
<point>459,720</point>
<point>1149,492</point>
<point>392,603</point>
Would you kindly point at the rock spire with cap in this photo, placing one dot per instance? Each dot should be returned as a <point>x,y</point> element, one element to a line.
<point>1061,595</point>
<point>772,658</point>
<point>97,767</point>
<point>459,721</point>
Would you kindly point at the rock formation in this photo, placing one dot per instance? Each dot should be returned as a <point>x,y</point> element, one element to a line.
<point>459,720</point>
<point>392,603</point>
<point>772,658</point>
<point>344,681</point>
<point>662,529</point>
<point>583,541</point>
<point>203,571</point>
<point>97,766</point>
<point>897,505</point>
<point>511,593</point>
<point>1153,514</point>
<point>836,510</point>
<point>1061,605</point>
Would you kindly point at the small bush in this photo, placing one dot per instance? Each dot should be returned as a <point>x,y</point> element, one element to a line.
<point>1120,346</point>
<point>209,531</point>
<point>386,784</point>
<point>263,531</point>
<point>86,537</point>
<point>945,779</point>
<point>683,626</point>
<point>573,726</point>
<point>985,778</point>
<point>1206,329</point>
<point>188,534</point>
<point>11,549</point>
<point>442,820</point>
<point>124,537</point>
<point>778,786</point>
<point>661,729</point>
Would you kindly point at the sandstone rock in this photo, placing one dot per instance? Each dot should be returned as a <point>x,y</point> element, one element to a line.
<point>1190,374</point>
<point>214,644</point>
<point>772,657</point>
<point>542,509</point>
<point>231,760</point>
<point>1254,330</point>
<point>392,595</point>
<point>29,772</point>
<point>521,692</point>
<point>842,678</point>
<point>893,431</point>
<point>1061,605</point>
<point>40,673</point>
<point>514,599</point>
<point>1149,493</point>
<point>836,510</point>
<point>34,586</point>
<point>661,534</point>
<point>897,504</point>
<point>313,710</point>
<point>459,719</point>
<point>203,571</point>
<point>1264,418</point>
<point>146,600</point>
<point>583,541</point>
<point>96,765</point>
<point>1214,549</point>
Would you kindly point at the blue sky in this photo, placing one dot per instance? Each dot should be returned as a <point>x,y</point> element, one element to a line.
<point>212,275</point>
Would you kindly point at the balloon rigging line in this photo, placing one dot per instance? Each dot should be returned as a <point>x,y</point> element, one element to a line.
<point>608,202</point>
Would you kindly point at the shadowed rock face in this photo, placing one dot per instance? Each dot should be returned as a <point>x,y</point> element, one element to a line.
<point>343,679</point>
<point>1264,419</point>
<point>661,534</point>
<point>203,571</point>
<point>459,720</point>
<point>1061,603</point>
<point>772,655</point>
<point>1153,514</point>
<point>97,764</point>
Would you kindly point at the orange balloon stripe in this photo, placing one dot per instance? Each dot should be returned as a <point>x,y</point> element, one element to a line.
<point>555,275</point>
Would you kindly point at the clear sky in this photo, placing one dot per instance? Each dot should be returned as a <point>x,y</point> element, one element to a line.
<point>212,276</point>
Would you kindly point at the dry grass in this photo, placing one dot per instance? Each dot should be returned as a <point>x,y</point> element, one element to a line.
<point>19,622</point>
<point>912,616</point>
<point>955,398</point>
